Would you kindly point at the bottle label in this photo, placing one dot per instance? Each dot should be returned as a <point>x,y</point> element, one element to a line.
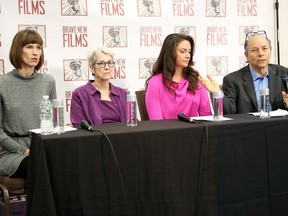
<point>131,113</point>
<point>46,117</point>
<point>45,110</point>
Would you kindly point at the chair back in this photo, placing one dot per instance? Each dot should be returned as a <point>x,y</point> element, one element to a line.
<point>140,96</point>
<point>16,187</point>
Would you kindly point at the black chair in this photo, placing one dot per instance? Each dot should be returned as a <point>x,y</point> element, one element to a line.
<point>140,96</point>
<point>11,186</point>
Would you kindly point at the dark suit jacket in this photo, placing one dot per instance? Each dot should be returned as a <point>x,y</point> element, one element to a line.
<point>239,92</point>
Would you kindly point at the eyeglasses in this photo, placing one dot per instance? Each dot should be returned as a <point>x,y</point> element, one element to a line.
<point>261,32</point>
<point>102,64</point>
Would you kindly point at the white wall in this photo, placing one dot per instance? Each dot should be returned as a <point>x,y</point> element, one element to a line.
<point>283,32</point>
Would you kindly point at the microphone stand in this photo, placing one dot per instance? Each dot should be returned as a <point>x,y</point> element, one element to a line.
<point>277,31</point>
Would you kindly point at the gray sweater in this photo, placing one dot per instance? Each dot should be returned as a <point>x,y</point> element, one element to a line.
<point>19,112</point>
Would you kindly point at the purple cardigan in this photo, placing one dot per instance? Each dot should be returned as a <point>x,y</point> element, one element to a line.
<point>86,101</point>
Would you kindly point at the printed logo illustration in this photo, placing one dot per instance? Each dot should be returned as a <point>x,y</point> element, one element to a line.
<point>217,65</point>
<point>76,70</point>
<point>41,29</point>
<point>1,66</point>
<point>145,67</point>
<point>74,7</point>
<point>243,30</point>
<point>186,30</point>
<point>149,8</point>
<point>242,61</point>
<point>115,36</point>
<point>215,8</point>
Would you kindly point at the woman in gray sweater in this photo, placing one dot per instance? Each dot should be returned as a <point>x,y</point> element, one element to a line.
<point>21,92</point>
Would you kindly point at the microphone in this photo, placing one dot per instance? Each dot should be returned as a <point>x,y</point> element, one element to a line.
<point>84,124</point>
<point>284,78</point>
<point>183,117</point>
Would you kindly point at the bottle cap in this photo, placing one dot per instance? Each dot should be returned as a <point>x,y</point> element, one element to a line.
<point>57,102</point>
<point>45,96</point>
<point>264,91</point>
<point>131,97</point>
<point>218,94</point>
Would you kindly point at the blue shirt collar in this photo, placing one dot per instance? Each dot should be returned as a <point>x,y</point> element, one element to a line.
<point>255,76</point>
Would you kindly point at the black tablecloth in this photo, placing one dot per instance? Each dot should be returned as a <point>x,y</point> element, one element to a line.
<point>236,167</point>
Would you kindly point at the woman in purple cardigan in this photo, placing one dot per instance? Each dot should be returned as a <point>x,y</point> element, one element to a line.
<point>173,86</point>
<point>99,101</point>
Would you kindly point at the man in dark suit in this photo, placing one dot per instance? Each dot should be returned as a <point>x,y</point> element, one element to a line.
<point>241,88</point>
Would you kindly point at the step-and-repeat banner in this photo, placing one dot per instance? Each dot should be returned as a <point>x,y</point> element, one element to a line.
<point>134,30</point>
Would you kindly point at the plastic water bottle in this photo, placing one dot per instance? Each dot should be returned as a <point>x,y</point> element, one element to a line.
<point>46,125</point>
<point>131,110</point>
<point>217,102</point>
<point>264,104</point>
<point>58,116</point>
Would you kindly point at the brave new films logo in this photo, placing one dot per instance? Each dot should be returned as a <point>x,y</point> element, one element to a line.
<point>149,8</point>
<point>186,30</point>
<point>74,7</point>
<point>217,65</point>
<point>75,36</point>
<point>41,29</point>
<point>183,7</point>
<point>145,67</point>
<point>119,70</point>
<point>243,30</point>
<point>215,8</point>
<point>115,36</point>
<point>112,7</point>
<point>68,96</point>
<point>31,7</point>
<point>76,70</point>
<point>150,36</point>
<point>216,35</point>
<point>1,67</point>
<point>247,8</point>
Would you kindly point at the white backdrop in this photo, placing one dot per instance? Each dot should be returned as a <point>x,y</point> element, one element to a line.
<point>283,32</point>
<point>134,30</point>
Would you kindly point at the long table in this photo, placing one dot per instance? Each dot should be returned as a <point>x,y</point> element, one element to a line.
<point>169,167</point>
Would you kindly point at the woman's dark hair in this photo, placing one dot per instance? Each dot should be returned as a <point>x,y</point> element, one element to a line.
<point>165,63</point>
<point>21,39</point>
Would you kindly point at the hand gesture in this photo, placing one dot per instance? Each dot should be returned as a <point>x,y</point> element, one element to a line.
<point>210,84</point>
<point>285,98</point>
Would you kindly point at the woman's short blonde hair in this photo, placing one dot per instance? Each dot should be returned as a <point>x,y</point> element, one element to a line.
<point>92,56</point>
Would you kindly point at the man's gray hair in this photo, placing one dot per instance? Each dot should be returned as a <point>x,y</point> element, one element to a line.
<point>246,45</point>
